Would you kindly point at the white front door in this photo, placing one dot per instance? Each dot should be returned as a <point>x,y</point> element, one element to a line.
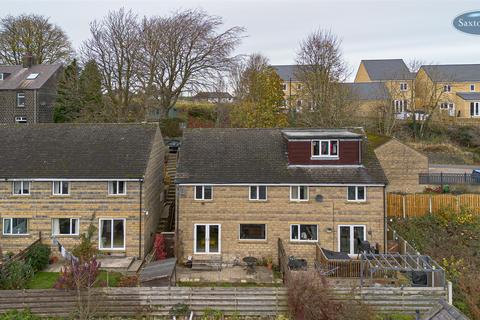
<point>207,238</point>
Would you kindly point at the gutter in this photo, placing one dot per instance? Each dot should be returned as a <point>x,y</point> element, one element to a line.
<point>140,222</point>
<point>385,222</point>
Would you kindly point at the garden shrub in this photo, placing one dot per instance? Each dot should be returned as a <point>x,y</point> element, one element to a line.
<point>86,249</point>
<point>15,275</point>
<point>78,275</point>
<point>19,315</point>
<point>171,127</point>
<point>38,256</point>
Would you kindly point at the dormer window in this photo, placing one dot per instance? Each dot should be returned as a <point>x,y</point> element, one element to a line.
<point>32,76</point>
<point>325,148</point>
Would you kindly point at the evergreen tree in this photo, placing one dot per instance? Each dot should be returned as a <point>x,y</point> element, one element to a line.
<point>69,101</point>
<point>91,93</point>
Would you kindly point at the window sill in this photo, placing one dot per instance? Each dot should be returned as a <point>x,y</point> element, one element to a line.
<point>303,241</point>
<point>325,158</point>
<point>60,195</point>
<point>357,202</point>
<point>66,235</point>
<point>16,235</point>
<point>246,241</point>
<point>112,249</point>
<point>21,195</point>
<point>299,201</point>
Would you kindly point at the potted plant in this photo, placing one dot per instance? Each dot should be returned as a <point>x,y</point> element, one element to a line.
<point>269,262</point>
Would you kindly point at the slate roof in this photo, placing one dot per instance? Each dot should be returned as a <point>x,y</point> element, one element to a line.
<point>15,77</point>
<point>286,72</point>
<point>75,151</point>
<point>368,90</point>
<point>469,95</point>
<point>387,69</point>
<point>212,95</point>
<point>235,156</point>
<point>444,311</point>
<point>453,72</point>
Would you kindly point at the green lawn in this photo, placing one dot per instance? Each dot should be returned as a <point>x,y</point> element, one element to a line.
<point>46,280</point>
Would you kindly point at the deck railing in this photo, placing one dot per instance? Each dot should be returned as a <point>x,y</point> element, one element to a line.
<point>448,178</point>
<point>336,267</point>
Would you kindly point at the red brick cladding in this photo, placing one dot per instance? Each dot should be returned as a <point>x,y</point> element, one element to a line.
<point>299,153</point>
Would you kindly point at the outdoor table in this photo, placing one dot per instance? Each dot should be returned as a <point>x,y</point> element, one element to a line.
<point>251,262</point>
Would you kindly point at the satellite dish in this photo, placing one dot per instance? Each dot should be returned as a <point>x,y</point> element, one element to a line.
<point>319,198</point>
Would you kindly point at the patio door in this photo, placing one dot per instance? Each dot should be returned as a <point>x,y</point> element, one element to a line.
<point>207,238</point>
<point>349,236</point>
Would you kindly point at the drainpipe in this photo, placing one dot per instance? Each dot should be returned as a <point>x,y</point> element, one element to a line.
<point>177,187</point>
<point>140,222</point>
<point>385,223</point>
<point>35,106</point>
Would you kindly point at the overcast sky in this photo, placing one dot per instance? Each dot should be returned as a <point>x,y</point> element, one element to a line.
<point>408,29</point>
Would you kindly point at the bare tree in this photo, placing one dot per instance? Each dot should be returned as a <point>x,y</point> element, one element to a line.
<point>186,48</point>
<point>32,34</point>
<point>321,68</point>
<point>114,46</point>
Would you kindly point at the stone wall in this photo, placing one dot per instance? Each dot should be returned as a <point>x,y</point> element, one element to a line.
<point>231,206</point>
<point>402,165</point>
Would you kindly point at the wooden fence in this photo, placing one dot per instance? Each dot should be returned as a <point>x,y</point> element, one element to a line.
<point>149,301</point>
<point>157,301</point>
<point>414,205</point>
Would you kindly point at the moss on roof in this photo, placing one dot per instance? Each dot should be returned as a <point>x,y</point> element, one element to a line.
<point>376,140</point>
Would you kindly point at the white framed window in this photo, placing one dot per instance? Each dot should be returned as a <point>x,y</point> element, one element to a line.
<point>253,231</point>
<point>117,187</point>
<point>284,86</point>
<point>472,87</point>
<point>258,193</point>
<point>325,148</point>
<point>15,226</point>
<point>400,106</point>
<point>350,236</point>
<point>207,238</point>
<point>356,193</point>
<point>298,193</point>
<point>20,119</point>
<point>1,76</point>
<point>203,192</point>
<point>304,232</point>
<point>65,226</point>
<point>61,188</point>
<point>403,86</point>
<point>475,109</point>
<point>21,188</point>
<point>111,234</point>
<point>447,88</point>
<point>20,99</point>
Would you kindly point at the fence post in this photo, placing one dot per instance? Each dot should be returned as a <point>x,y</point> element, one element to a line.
<point>403,206</point>
<point>441,180</point>
<point>430,204</point>
<point>450,292</point>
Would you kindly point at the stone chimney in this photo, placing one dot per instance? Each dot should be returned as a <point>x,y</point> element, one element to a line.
<point>28,60</point>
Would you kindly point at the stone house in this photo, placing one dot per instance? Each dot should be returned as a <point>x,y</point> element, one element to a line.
<point>402,165</point>
<point>28,92</point>
<point>240,190</point>
<point>58,179</point>
<point>213,97</point>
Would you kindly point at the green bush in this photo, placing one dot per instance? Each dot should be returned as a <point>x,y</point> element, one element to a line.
<point>38,256</point>
<point>19,315</point>
<point>171,127</point>
<point>15,275</point>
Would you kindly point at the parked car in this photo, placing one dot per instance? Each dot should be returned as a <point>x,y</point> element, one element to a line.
<point>476,175</point>
<point>173,145</point>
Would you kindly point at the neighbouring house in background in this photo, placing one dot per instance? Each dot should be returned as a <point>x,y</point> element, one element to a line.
<point>395,76</point>
<point>291,85</point>
<point>56,178</point>
<point>213,97</point>
<point>368,96</point>
<point>240,190</point>
<point>402,165</point>
<point>460,84</point>
<point>28,92</point>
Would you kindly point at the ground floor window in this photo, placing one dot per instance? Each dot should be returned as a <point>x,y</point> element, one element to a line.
<point>65,226</point>
<point>17,226</point>
<point>350,237</point>
<point>207,238</point>
<point>304,232</point>
<point>475,109</point>
<point>112,234</point>
<point>253,232</point>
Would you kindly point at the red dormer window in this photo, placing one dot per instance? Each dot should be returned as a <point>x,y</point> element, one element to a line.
<point>325,149</point>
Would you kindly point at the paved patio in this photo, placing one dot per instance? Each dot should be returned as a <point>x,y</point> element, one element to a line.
<point>106,263</point>
<point>236,274</point>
